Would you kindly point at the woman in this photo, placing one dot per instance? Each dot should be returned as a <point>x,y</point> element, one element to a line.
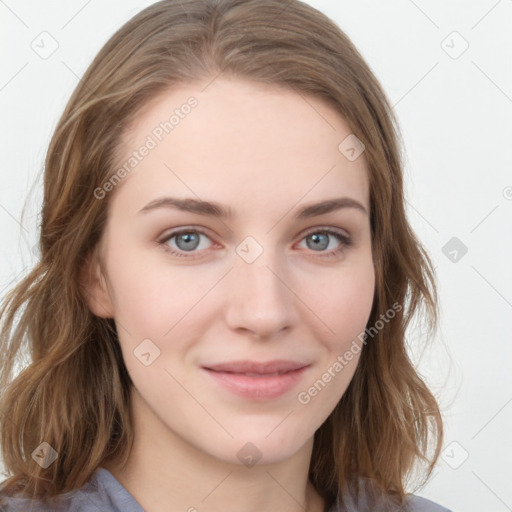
<point>218,317</point>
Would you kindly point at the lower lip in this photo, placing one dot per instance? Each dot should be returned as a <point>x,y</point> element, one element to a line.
<point>257,388</point>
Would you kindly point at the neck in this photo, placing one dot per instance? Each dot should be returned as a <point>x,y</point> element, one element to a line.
<point>163,469</point>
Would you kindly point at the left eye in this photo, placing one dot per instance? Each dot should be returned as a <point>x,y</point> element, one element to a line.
<point>186,241</point>
<point>189,241</point>
<point>319,240</point>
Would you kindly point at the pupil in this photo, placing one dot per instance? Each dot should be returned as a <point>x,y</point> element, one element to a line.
<point>189,240</point>
<point>318,241</point>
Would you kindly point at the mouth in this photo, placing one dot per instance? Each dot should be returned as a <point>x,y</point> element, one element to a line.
<point>257,381</point>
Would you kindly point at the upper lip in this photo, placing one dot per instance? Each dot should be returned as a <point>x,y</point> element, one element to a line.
<point>277,366</point>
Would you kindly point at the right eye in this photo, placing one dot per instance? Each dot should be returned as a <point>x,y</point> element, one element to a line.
<point>184,241</point>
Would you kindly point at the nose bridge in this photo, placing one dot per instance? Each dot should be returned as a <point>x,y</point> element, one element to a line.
<point>259,264</point>
<point>260,300</point>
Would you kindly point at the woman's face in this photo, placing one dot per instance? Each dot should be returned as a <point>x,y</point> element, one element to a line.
<point>238,328</point>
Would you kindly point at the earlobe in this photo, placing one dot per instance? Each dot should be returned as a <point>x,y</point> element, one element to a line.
<point>94,287</point>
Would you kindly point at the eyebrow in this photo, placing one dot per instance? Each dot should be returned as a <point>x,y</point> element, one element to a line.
<point>213,209</point>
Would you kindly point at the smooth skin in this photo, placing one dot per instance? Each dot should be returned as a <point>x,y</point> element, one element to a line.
<point>264,152</point>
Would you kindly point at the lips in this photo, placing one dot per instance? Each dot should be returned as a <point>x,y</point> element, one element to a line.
<point>257,381</point>
<point>256,369</point>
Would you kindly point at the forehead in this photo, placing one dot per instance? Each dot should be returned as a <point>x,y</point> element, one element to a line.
<point>240,142</point>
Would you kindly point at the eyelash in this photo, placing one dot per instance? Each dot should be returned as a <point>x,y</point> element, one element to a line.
<point>345,241</point>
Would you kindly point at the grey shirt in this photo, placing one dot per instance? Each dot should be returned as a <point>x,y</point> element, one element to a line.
<point>104,493</point>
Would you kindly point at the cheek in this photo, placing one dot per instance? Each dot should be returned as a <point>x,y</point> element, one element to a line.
<point>149,295</point>
<point>160,303</point>
<point>343,301</point>
<point>344,304</point>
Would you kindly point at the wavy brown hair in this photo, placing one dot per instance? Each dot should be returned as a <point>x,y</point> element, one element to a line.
<point>74,393</point>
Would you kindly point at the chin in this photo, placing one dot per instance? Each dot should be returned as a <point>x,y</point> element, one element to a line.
<point>253,445</point>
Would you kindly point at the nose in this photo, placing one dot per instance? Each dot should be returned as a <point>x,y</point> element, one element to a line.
<point>260,300</point>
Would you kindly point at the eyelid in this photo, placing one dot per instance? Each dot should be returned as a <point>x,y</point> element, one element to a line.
<point>204,231</point>
<point>168,235</point>
<point>328,229</point>
<point>345,239</point>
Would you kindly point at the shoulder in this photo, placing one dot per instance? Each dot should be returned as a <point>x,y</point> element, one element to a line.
<point>102,492</point>
<point>419,504</point>
<point>412,503</point>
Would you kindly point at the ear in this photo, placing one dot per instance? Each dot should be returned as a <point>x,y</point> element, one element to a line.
<point>94,288</point>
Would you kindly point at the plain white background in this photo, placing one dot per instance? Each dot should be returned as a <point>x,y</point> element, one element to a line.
<point>447,69</point>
